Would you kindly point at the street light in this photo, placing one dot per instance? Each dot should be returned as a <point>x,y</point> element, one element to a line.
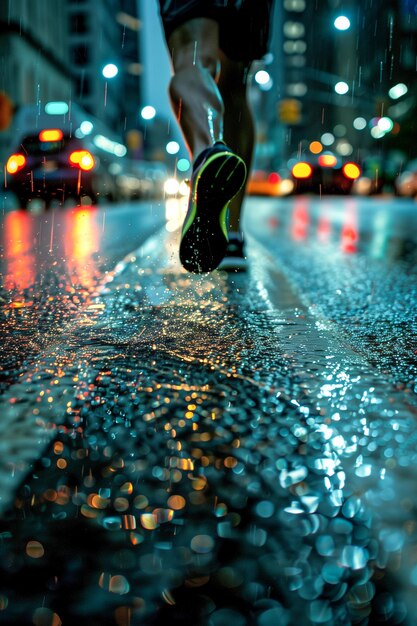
<point>341,87</point>
<point>397,91</point>
<point>342,22</point>
<point>148,112</point>
<point>172,147</point>
<point>263,79</point>
<point>56,108</point>
<point>86,127</point>
<point>386,124</point>
<point>110,70</point>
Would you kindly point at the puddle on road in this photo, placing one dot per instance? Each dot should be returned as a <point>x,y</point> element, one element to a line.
<point>353,263</point>
<point>217,463</point>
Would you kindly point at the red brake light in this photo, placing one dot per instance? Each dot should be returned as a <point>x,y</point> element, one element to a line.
<point>302,170</point>
<point>351,170</point>
<point>274,178</point>
<point>82,159</point>
<point>15,163</point>
<point>51,134</point>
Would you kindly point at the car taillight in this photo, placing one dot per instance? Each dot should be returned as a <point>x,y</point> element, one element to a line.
<point>15,163</point>
<point>51,134</point>
<point>327,160</point>
<point>82,159</point>
<point>274,178</point>
<point>351,170</point>
<point>302,170</point>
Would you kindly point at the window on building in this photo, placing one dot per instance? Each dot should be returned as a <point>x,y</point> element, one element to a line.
<point>79,23</point>
<point>80,55</point>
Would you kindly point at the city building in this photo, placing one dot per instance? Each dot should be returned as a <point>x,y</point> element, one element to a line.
<point>33,55</point>
<point>340,60</point>
<point>104,57</point>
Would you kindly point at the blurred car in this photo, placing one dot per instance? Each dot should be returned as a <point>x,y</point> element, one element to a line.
<point>406,182</point>
<point>51,165</point>
<point>141,180</point>
<point>262,183</point>
<point>265,183</point>
<point>60,160</point>
<point>325,173</point>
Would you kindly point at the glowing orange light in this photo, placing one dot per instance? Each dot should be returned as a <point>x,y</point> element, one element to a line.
<point>315,147</point>
<point>351,170</point>
<point>327,160</point>
<point>81,245</point>
<point>86,161</point>
<point>51,134</point>
<point>74,157</point>
<point>18,250</point>
<point>15,163</point>
<point>302,170</point>
<point>83,159</point>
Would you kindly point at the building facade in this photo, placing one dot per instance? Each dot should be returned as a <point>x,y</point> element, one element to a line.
<point>55,50</point>
<point>33,55</point>
<point>102,33</point>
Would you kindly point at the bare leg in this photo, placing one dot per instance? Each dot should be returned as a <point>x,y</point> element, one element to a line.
<point>195,97</point>
<point>238,122</point>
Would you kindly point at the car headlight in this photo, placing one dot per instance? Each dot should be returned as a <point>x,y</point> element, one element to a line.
<point>171,187</point>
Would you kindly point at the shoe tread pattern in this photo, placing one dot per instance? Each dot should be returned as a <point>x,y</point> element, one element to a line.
<point>204,243</point>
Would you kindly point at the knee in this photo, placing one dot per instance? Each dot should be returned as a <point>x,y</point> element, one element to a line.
<point>210,63</point>
<point>196,56</point>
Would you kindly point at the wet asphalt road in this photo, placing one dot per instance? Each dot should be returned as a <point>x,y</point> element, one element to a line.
<point>199,450</point>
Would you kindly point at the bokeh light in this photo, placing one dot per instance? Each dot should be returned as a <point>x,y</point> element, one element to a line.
<point>172,147</point>
<point>148,112</point>
<point>397,91</point>
<point>315,147</point>
<point>341,87</point>
<point>327,139</point>
<point>386,124</point>
<point>183,165</point>
<point>110,70</point>
<point>342,22</point>
<point>262,77</point>
<point>86,127</point>
<point>359,123</point>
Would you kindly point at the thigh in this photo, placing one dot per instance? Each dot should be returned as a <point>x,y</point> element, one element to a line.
<point>195,41</point>
<point>176,13</point>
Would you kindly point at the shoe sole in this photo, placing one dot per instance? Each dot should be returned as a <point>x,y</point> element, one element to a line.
<point>204,235</point>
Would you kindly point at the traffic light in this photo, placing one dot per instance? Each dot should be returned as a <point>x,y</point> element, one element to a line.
<point>289,111</point>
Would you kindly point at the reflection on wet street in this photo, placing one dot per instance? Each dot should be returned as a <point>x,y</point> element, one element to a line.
<point>196,450</point>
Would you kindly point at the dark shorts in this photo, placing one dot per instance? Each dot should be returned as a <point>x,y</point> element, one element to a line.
<point>244,24</point>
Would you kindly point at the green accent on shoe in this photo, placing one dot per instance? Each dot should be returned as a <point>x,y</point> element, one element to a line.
<point>192,214</point>
<point>204,234</point>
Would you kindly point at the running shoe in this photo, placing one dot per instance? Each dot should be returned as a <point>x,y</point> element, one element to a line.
<point>235,257</point>
<point>218,175</point>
